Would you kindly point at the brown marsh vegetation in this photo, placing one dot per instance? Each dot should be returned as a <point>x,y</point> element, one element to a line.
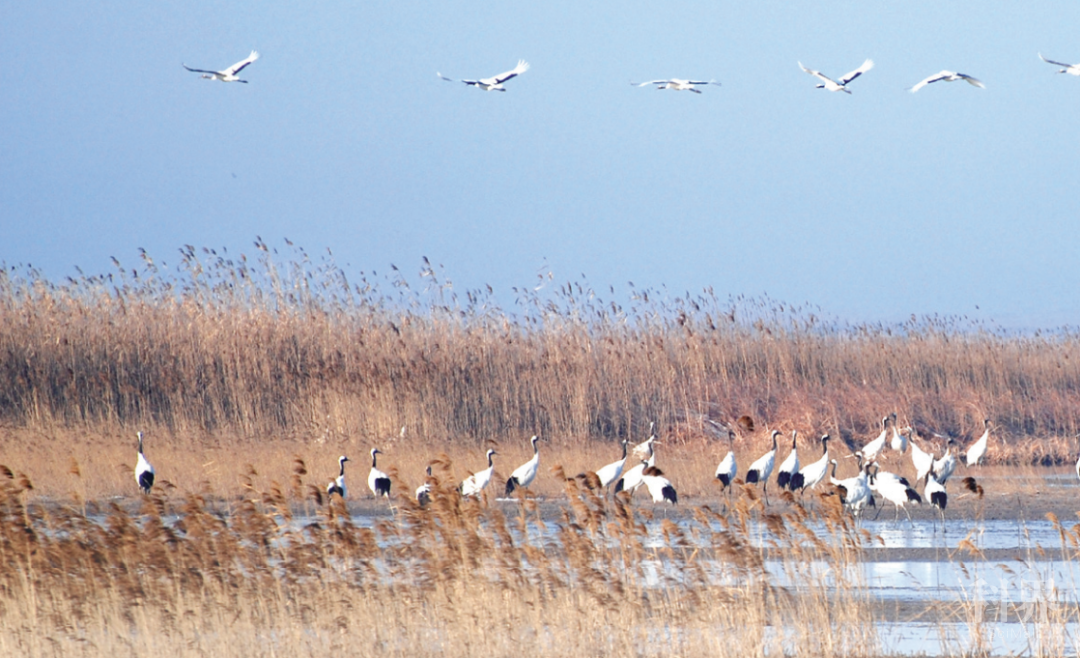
<point>249,350</point>
<point>453,579</point>
<point>234,366</point>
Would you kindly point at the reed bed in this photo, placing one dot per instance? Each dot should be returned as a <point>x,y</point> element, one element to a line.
<point>283,346</point>
<point>280,572</point>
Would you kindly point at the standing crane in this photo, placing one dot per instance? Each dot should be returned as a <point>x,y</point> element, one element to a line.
<point>612,471</point>
<point>978,450</point>
<point>789,470</point>
<point>337,485</point>
<point>144,472</point>
<point>815,473</point>
<point>377,481</point>
<point>761,469</point>
<point>524,475</point>
<point>477,482</point>
<point>728,469</point>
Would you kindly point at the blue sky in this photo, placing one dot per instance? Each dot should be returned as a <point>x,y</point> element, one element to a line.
<point>873,206</point>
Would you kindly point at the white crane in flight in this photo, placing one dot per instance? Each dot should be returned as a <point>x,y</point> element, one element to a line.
<point>948,76</point>
<point>495,82</point>
<point>841,85</point>
<point>229,74</point>
<point>1071,69</point>
<point>677,84</point>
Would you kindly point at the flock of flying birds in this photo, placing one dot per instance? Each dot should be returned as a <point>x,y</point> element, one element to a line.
<point>637,468</point>
<point>495,82</point>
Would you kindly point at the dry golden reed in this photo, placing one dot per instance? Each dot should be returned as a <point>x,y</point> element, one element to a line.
<point>286,347</point>
<point>453,579</point>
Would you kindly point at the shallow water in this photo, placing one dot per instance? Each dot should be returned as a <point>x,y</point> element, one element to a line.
<point>941,575</point>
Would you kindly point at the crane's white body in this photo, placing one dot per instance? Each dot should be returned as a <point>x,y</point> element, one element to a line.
<point>727,470</point>
<point>856,490</point>
<point>789,468</point>
<point>477,482</point>
<point>978,450</point>
<point>947,76</point>
<point>144,472</point>
<point>813,474</point>
<point>1071,69</point>
<point>614,470</point>
<point>229,74</point>
<point>895,490</point>
<point>871,451</point>
<point>495,82</point>
<point>524,475</point>
<point>337,485</point>
<point>677,84</point>
<point>899,442</point>
<point>944,467</point>
<point>644,450</point>
<point>922,461</point>
<point>841,84</point>
<point>634,478</point>
<point>936,494</point>
<point>423,492</point>
<point>762,468</point>
<point>377,481</point>
<point>659,486</point>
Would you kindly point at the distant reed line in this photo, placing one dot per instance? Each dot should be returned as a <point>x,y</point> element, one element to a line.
<point>285,345</point>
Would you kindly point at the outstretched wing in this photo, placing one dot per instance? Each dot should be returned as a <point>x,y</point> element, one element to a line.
<point>199,70</point>
<point>933,78</point>
<point>650,82</point>
<point>521,67</point>
<point>444,77</point>
<point>866,66</point>
<point>703,82</point>
<point>242,64</point>
<point>817,74</point>
<point>972,81</point>
<point>1050,61</point>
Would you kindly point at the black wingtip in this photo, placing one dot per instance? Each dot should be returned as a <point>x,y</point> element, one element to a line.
<point>670,495</point>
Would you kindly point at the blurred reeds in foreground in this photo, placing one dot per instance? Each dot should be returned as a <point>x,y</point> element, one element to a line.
<point>281,574</point>
<point>287,347</point>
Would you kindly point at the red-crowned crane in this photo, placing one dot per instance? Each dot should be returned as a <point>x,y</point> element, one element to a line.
<point>761,469</point>
<point>947,76</point>
<point>144,472</point>
<point>477,482</point>
<point>337,485</point>
<point>789,469</point>
<point>841,85</point>
<point>524,475</point>
<point>377,481</point>
<point>229,74</point>
<point>1071,69</point>
<point>977,451</point>
<point>495,82</point>
<point>677,84</point>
